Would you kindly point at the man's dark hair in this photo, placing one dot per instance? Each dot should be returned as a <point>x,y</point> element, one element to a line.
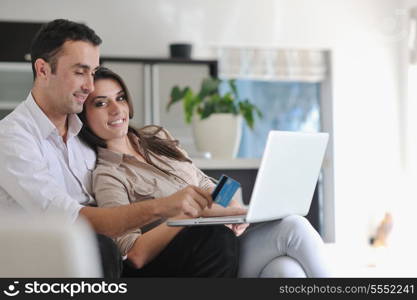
<point>48,41</point>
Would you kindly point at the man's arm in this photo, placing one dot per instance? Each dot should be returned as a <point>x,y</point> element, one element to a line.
<point>26,178</point>
<point>115,221</point>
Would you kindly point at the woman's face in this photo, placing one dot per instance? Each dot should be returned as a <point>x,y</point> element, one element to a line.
<point>107,110</point>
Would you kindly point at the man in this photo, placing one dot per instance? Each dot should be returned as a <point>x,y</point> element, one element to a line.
<point>45,168</point>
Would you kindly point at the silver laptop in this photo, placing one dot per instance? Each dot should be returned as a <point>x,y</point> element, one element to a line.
<point>285,182</point>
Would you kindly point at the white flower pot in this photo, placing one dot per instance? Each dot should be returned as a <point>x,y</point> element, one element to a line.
<point>219,134</point>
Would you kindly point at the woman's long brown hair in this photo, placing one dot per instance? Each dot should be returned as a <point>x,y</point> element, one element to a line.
<point>149,142</point>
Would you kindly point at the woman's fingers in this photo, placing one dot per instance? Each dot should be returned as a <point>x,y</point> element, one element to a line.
<point>204,194</point>
<point>197,199</point>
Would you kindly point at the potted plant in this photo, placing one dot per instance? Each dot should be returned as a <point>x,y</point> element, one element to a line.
<point>216,118</point>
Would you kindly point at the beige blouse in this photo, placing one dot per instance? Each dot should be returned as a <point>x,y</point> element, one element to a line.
<point>121,179</point>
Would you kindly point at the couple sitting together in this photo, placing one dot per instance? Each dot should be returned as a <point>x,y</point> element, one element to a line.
<point>69,149</point>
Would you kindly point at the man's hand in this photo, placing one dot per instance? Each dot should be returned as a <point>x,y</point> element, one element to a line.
<point>190,201</point>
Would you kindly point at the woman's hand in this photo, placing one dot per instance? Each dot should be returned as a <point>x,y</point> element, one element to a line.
<point>190,201</point>
<point>234,209</point>
<point>238,229</point>
<point>220,211</point>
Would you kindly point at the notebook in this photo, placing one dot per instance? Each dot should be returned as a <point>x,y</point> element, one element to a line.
<point>285,182</point>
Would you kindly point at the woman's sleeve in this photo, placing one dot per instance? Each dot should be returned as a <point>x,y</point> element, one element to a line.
<point>109,191</point>
<point>205,182</point>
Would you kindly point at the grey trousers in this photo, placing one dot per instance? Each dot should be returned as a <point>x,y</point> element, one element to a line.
<point>289,247</point>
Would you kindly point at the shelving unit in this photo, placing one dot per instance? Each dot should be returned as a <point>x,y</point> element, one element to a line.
<point>15,67</point>
<point>8,105</point>
<point>16,76</point>
<point>15,83</point>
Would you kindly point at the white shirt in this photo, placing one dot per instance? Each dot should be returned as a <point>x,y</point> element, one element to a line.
<point>39,173</point>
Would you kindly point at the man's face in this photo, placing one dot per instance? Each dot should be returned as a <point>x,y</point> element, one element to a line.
<point>72,82</point>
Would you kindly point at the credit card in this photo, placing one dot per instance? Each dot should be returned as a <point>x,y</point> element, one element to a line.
<point>225,190</point>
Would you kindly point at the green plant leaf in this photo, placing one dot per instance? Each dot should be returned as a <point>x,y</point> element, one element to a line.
<point>209,101</point>
<point>207,110</point>
<point>226,104</point>
<point>260,114</point>
<point>247,109</point>
<point>232,84</point>
<point>209,86</point>
<point>190,102</point>
<point>176,95</point>
<point>249,119</point>
<point>248,116</point>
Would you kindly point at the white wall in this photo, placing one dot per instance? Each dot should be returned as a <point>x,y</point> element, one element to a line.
<point>366,46</point>
<point>409,101</point>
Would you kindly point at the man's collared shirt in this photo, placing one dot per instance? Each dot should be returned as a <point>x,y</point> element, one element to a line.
<point>39,172</point>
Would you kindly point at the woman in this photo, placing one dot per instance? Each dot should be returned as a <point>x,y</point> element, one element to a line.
<point>136,165</point>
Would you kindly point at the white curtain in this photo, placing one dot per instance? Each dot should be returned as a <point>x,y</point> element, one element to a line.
<point>412,42</point>
<point>271,64</point>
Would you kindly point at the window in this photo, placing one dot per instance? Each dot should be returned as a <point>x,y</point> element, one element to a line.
<point>288,106</point>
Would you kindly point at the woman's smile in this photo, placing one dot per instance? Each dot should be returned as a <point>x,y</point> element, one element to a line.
<point>117,122</point>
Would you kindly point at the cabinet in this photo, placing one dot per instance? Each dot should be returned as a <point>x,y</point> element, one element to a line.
<point>15,83</point>
<point>16,40</point>
<point>150,81</point>
<point>15,68</point>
